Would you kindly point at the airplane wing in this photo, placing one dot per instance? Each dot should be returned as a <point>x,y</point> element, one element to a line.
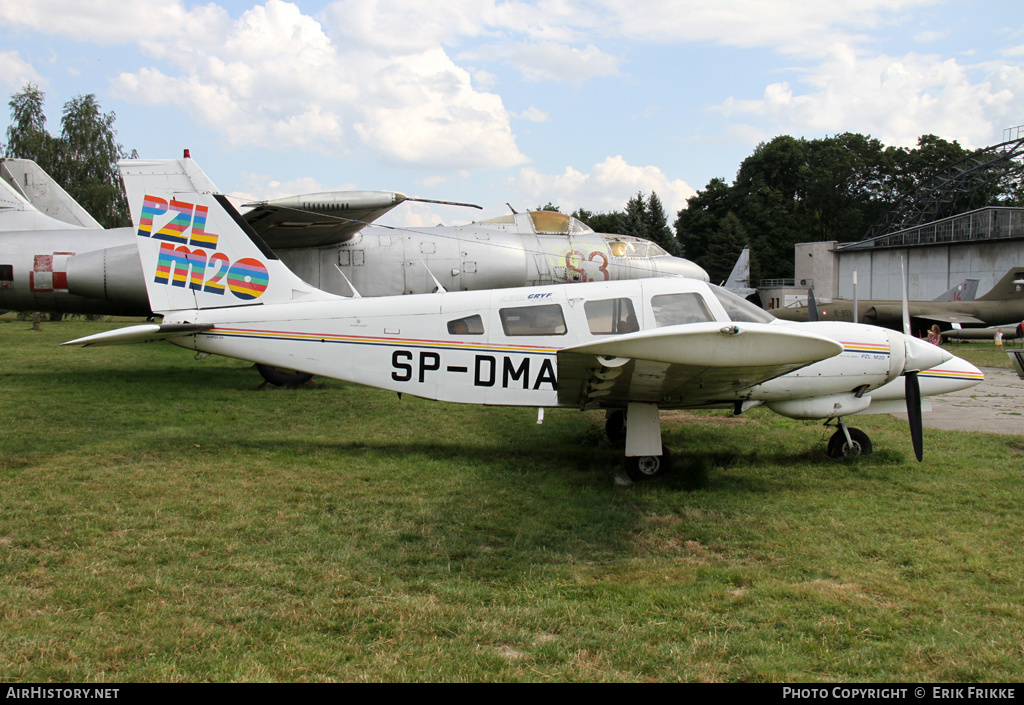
<point>319,219</point>
<point>685,365</point>
<point>146,333</point>
<point>949,317</point>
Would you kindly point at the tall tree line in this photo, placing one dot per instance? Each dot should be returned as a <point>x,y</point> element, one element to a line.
<point>82,159</point>
<point>796,190</point>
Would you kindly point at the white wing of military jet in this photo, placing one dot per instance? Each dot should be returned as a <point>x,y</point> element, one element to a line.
<point>636,346</point>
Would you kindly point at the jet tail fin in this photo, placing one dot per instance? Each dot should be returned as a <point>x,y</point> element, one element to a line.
<point>1011,286</point>
<point>966,290</point>
<point>197,251</point>
<point>25,187</point>
<point>739,278</point>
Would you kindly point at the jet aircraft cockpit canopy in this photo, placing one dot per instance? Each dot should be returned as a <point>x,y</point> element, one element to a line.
<point>630,246</point>
<point>539,222</point>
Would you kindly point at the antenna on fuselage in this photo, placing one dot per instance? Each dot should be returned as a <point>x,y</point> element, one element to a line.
<point>355,294</point>
<point>440,289</point>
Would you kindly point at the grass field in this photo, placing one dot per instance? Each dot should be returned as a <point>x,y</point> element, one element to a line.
<point>163,520</point>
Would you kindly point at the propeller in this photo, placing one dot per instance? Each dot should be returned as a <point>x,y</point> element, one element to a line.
<point>812,306</point>
<point>911,384</point>
<point>913,392</point>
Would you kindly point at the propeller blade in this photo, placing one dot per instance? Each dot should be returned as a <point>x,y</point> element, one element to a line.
<point>812,306</point>
<point>906,306</point>
<point>913,388</point>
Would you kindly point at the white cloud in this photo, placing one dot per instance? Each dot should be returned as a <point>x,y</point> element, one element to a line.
<point>551,61</point>
<point>608,186</point>
<point>103,21</point>
<point>393,78</point>
<point>274,76</point>
<point>15,73</point>
<point>896,99</point>
<point>533,114</point>
<point>791,26</point>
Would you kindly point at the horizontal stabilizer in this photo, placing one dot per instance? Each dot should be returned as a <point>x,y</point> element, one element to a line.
<point>146,333</point>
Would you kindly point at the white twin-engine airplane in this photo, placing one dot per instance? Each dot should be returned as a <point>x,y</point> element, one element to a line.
<point>630,347</point>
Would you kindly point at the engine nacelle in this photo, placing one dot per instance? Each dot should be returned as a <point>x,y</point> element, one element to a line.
<point>826,407</point>
<point>113,274</point>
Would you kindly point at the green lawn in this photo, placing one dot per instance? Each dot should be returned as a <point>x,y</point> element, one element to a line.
<point>164,520</point>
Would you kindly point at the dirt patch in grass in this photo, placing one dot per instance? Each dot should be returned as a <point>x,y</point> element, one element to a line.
<point>691,417</point>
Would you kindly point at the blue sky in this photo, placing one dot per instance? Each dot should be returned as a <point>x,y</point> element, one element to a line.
<point>582,104</point>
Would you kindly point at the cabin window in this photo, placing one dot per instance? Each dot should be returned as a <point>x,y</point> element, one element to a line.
<point>470,325</point>
<point>533,320</point>
<point>611,317</point>
<point>676,309</point>
<point>6,272</point>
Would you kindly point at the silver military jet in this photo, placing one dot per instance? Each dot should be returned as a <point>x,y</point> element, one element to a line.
<point>55,257</point>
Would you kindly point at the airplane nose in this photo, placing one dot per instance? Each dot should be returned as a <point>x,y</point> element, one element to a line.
<point>679,267</point>
<point>922,355</point>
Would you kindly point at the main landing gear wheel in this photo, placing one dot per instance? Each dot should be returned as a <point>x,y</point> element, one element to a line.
<point>648,467</point>
<point>282,378</point>
<point>615,426</point>
<point>839,447</point>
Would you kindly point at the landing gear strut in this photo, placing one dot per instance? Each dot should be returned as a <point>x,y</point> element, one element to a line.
<point>848,442</point>
<point>640,426</point>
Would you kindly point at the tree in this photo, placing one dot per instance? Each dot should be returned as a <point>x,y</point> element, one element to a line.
<point>792,190</point>
<point>723,252</point>
<point>634,219</point>
<point>697,224</point>
<point>610,223</point>
<point>83,159</point>
<point>27,137</point>
<point>656,225</point>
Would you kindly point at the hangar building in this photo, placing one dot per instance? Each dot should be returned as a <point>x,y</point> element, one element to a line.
<point>982,244</point>
<point>937,253</point>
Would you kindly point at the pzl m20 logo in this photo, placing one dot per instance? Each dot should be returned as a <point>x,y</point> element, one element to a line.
<point>183,259</point>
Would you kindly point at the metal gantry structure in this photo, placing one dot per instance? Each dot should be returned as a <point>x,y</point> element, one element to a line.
<point>965,185</point>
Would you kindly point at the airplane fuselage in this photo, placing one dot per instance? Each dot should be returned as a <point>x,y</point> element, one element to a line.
<point>83,270</point>
<point>501,347</point>
<point>1003,304</point>
<point>75,270</point>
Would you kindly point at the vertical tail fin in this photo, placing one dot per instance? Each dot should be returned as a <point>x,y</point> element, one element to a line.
<point>1011,286</point>
<point>197,251</point>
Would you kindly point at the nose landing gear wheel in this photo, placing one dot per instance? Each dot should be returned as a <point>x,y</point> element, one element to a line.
<point>839,447</point>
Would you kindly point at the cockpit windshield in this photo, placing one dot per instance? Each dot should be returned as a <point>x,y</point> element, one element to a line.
<point>739,309</point>
<point>629,246</point>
